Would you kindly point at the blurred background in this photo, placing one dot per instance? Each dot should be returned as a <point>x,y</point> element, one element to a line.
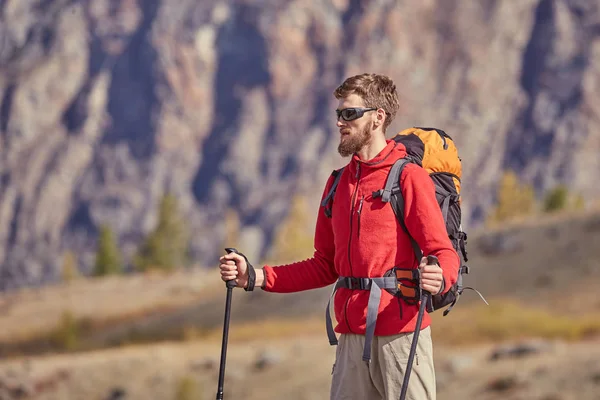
<point>138,138</point>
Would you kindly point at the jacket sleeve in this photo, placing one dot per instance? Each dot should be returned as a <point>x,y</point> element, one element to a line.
<point>425,222</point>
<point>315,272</point>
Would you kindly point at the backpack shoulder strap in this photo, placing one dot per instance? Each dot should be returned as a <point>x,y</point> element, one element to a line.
<point>392,183</point>
<point>392,193</point>
<point>327,200</point>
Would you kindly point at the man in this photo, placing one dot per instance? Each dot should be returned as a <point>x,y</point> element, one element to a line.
<point>363,239</point>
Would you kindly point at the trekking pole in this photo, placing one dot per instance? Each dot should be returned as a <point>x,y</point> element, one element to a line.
<point>230,285</point>
<point>425,296</point>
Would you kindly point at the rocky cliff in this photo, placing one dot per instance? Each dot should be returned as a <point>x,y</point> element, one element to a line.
<point>107,104</point>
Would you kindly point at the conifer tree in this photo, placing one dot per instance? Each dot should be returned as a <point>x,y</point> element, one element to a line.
<point>557,199</point>
<point>108,257</point>
<point>166,246</point>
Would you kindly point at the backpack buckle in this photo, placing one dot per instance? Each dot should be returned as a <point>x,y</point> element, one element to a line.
<point>354,283</point>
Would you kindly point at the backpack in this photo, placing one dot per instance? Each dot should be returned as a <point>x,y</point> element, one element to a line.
<point>435,151</point>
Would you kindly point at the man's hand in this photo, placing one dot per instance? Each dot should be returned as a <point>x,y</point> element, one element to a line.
<point>431,277</point>
<point>233,267</point>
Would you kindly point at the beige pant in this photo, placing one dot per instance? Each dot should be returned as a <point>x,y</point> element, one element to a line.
<point>381,379</point>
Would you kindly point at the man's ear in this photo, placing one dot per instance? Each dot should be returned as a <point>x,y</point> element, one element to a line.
<point>380,117</point>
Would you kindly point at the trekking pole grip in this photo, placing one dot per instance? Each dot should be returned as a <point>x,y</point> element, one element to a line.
<point>432,260</point>
<point>231,284</point>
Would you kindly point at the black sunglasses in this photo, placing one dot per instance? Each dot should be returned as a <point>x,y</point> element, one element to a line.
<point>350,114</point>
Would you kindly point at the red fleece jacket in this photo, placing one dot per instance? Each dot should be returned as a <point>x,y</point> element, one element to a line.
<point>364,239</point>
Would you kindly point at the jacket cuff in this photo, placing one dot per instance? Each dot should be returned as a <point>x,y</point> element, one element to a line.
<point>263,286</point>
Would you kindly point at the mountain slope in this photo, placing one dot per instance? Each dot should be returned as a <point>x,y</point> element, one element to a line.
<point>106,105</point>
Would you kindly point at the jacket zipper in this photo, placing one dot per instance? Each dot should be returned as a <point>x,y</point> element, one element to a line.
<point>352,216</point>
<point>358,214</point>
<point>353,200</point>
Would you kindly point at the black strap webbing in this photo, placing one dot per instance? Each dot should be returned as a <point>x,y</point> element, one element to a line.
<point>326,203</point>
<point>392,184</point>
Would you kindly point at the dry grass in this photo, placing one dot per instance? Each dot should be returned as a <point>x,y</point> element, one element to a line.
<point>31,313</point>
<point>504,320</point>
<point>272,328</point>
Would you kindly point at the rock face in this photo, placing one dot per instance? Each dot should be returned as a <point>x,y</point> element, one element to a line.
<point>107,104</point>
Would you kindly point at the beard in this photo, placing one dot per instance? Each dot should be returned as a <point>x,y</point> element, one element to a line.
<point>353,143</point>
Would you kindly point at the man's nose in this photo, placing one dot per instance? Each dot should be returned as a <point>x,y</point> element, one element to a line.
<point>339,123</point>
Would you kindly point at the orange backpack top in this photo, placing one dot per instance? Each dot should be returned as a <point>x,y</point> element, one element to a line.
<point>440,154</point>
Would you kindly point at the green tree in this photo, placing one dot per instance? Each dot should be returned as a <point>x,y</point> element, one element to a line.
<point>557,199</point>
<point>108,256</point>
<point>166,247</point>
<point>67,333</point>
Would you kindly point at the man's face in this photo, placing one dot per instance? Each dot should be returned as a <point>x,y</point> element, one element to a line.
<point>354,134</point>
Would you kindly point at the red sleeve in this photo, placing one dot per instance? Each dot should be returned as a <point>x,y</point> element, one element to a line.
<point>425,222</point>
<point>315,272</point>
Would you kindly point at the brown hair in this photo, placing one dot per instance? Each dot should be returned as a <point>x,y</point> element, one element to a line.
<point>376,91</point>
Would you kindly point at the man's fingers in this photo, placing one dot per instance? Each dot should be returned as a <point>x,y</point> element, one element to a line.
<point>228,263</point>
<point>431,289</point>
<point>433,276</point>
<point>234,257</point>
<point>227,271</point>
<point>228,267</point>
<point>431,269</point>
<point>228,275</point>
<point>430,282</point>
<point>431,285</point>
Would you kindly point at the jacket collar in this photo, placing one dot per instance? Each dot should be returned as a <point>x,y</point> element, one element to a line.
<point>386,157</point>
